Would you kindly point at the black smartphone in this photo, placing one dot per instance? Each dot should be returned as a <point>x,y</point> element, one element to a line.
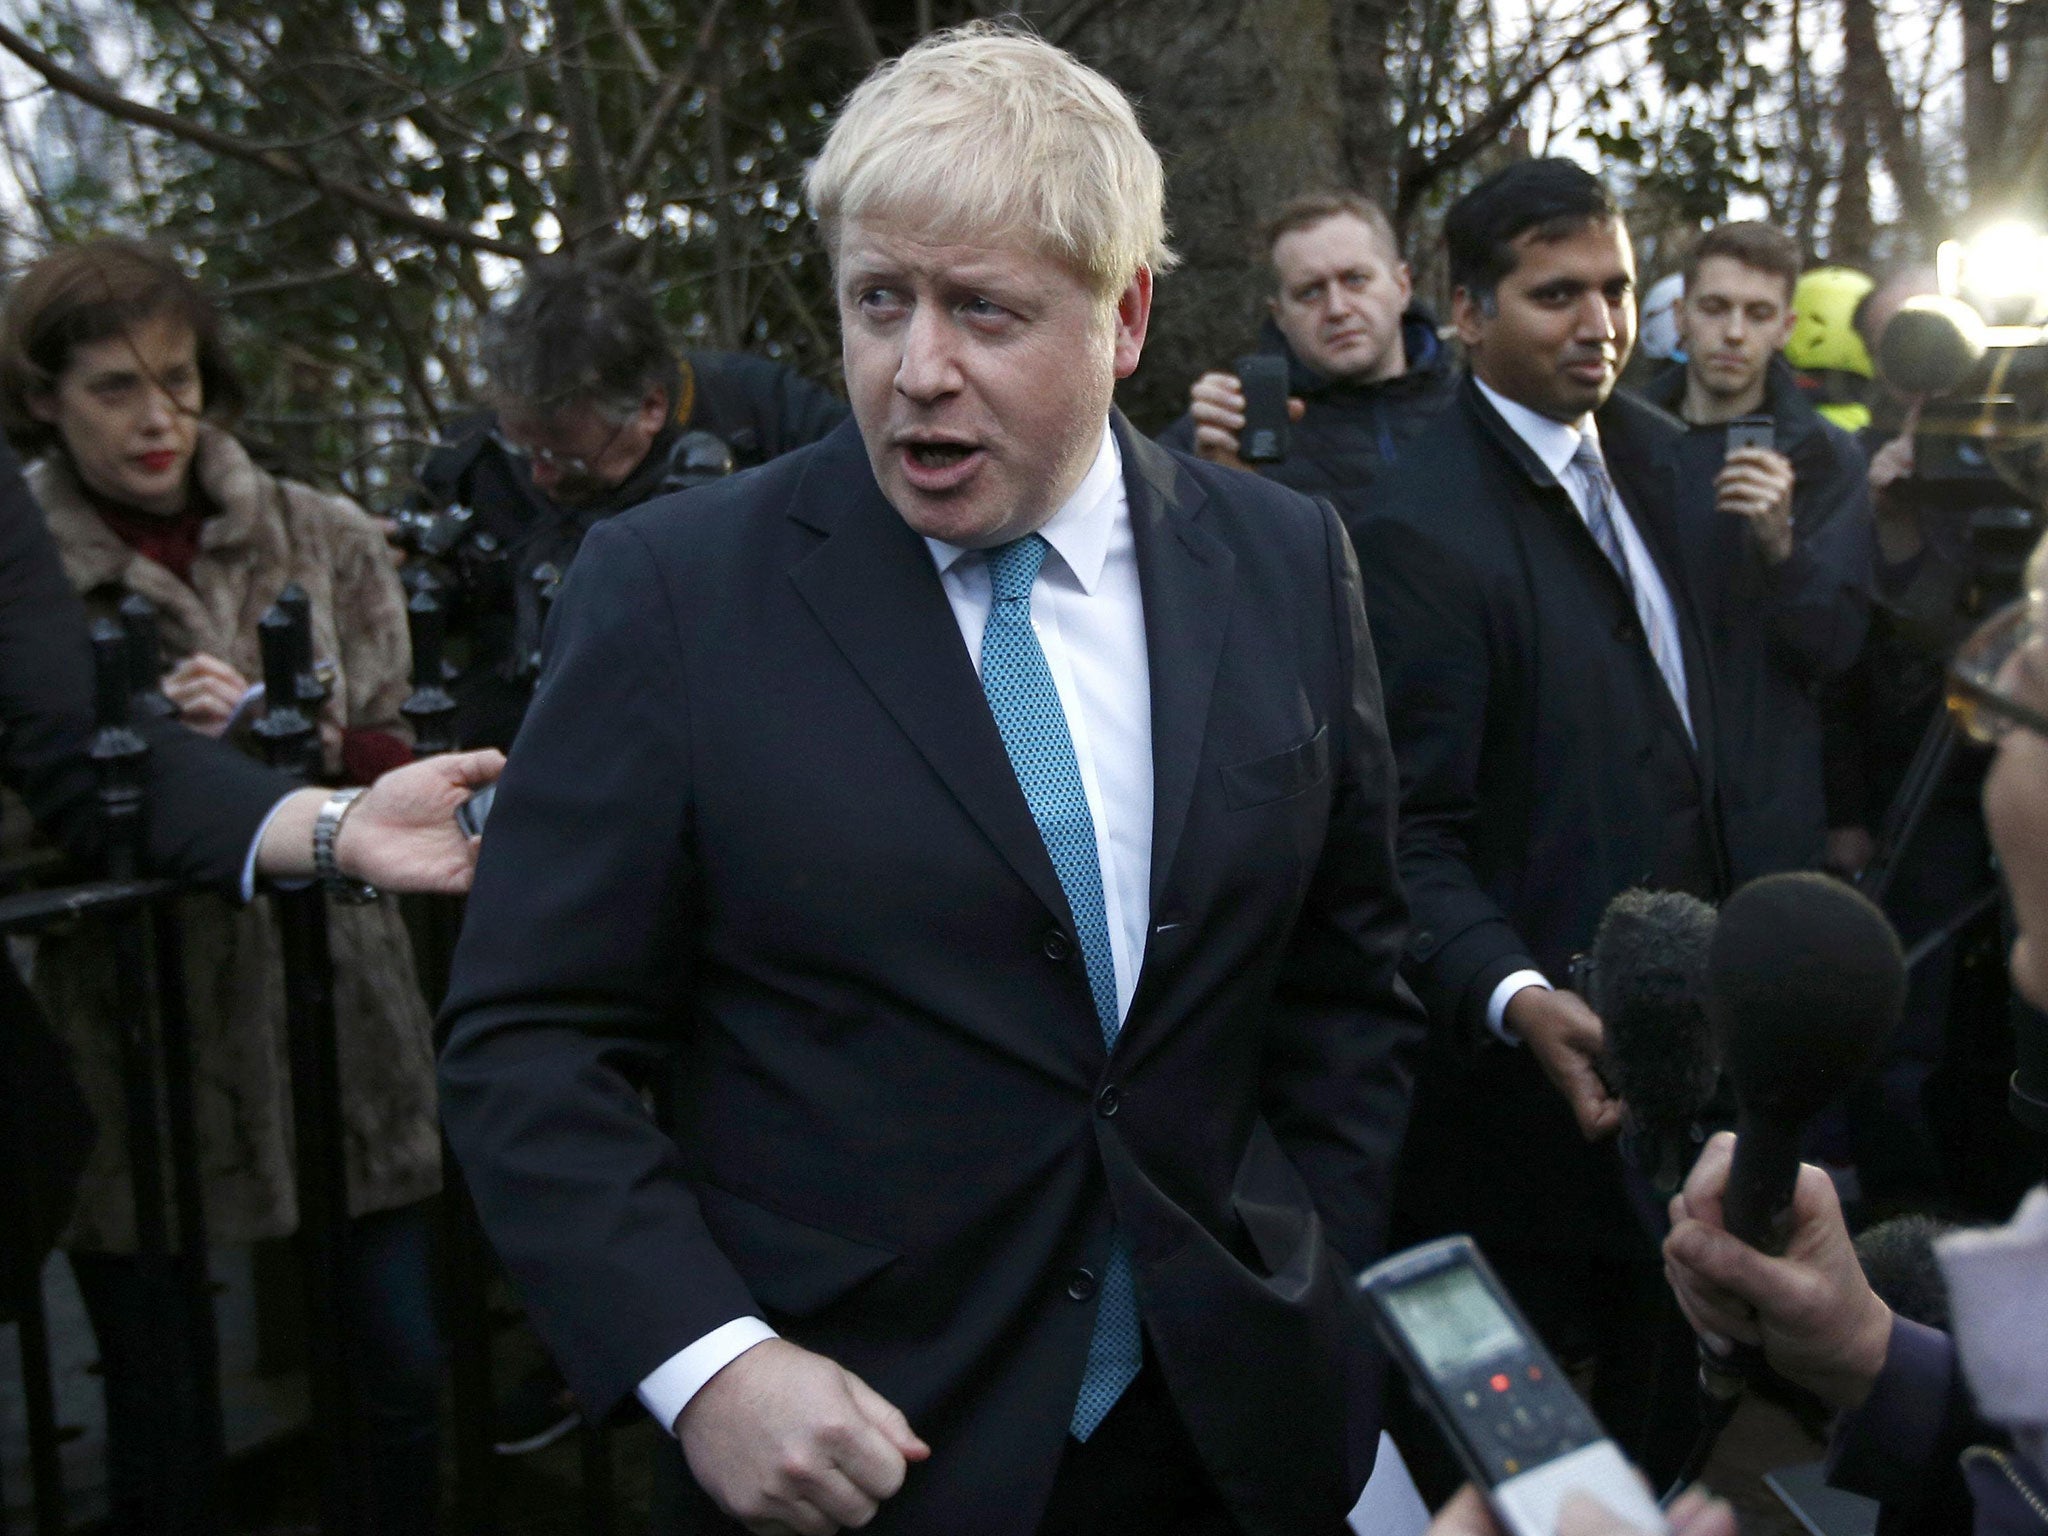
<point>1263,378</point>
<point>472,813</point>
<point>1752,432</point>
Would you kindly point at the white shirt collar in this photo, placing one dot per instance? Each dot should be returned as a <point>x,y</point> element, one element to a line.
<point>1550,440</point>
<point>1079,532</point>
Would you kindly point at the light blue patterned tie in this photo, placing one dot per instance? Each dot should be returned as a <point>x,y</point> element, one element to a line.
<point>1600,508</point>
<point>1664,645</point>
<point>1027,709</point>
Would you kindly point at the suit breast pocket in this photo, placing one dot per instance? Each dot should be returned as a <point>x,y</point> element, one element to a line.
<point>1266,779</point>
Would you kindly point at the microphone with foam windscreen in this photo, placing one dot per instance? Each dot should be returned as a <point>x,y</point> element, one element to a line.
<point>1898,1260</point>
<point>1647,981</point>
<point>1805,982</point>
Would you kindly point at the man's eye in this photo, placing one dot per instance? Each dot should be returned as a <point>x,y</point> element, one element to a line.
<point>983,309</point>
<point>879,299</point>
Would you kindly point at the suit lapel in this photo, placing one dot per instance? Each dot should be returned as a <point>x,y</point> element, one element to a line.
<point>1647,485</point>
<point>1625,470</point>
<point>1185,577</point>
<point>872,586</point>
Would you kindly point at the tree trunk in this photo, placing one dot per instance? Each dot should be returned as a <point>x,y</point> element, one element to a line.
<point>1851,233</point>
<point>2023,183</point>
<point>1983,100</point>
<point>1241,97</point>
<point>593,201</point>
<point>1361,30</point>
<point>1863,64</point>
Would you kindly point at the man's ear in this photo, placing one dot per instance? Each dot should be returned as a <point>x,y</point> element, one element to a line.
<point>654,408</point>
<point>1133,315</point>
<point>1467,318</point>
<point>1405,276</point>
<point>43,406</point>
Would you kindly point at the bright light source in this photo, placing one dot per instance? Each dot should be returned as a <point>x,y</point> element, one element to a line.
<point>2002,270</point>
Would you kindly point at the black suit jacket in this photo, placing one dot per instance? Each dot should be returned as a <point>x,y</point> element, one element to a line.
<point>761,812</point>
<point>1544,768</point>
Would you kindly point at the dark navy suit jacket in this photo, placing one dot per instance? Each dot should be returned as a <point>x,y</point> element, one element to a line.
<point>760,820</point>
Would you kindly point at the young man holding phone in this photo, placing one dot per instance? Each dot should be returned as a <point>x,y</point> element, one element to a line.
<point>1775,528</point>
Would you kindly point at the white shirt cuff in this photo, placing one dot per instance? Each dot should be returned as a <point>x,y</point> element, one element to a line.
<point>1497,1005</point>
<point>668,1388</point>
<point>255,844</point>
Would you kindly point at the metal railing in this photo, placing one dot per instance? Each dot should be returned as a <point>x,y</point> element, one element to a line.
<point>185,1445</point>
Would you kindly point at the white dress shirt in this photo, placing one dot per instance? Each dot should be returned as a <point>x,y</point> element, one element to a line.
<point>1088,614</point>
<point>1554,443</point>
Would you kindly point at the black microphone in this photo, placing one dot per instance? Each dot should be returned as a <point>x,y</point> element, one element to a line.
<point>1647,981</point>
<point>1805,981</point>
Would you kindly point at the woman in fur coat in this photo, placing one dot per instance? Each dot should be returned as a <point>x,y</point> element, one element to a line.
<point>110,363</point>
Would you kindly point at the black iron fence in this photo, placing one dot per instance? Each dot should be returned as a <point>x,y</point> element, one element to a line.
<point>185,1443</point>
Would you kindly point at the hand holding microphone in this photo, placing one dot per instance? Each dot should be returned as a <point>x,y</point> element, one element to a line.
<point>1805,982</point>
<point>1810,1310</point>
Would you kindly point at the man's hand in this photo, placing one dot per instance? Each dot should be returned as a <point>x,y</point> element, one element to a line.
<point>1694,1514</point>
<point>1898,528</point>
<point>1812,1311</point>
<point>207,692</point>
<point>1850,850</point>
<point>1756,484</point>
<point>401,835</point>
<point>1216,401</point>
<point>784,1440</point>
<point>1567,1038</point>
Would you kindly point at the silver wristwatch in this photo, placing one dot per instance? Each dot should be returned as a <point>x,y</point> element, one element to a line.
<point>326,828</point>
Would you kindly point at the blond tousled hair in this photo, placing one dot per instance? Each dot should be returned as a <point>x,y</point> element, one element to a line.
<point>988,132</point>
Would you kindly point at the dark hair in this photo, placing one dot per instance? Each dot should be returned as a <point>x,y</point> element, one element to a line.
<point>1552,198</point>
<point>1755,245</point>
<point>577,335</point>
<point>1309,209</point>
<point>94,292</point>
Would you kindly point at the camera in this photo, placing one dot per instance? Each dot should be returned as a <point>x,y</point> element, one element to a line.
<point>1976,355</point>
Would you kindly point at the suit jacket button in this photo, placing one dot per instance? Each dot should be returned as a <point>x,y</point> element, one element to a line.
<point>1106,1102</point>
<point>1057,946</point>
<point>1081,1284</point>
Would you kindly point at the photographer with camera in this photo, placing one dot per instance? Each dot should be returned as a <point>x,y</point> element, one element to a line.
<point>1364,366</point>
<point>1774,519</point>
<point>593,413</point>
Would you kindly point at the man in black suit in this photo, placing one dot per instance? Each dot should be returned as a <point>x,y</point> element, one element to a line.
<point>1553,720</point>
<point>992,814</point>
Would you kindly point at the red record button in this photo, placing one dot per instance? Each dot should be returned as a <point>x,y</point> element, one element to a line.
<point>1499,1383</point>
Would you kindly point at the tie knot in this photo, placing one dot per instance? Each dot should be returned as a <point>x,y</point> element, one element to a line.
<point>1586,457</point>
<point>1014,566</point>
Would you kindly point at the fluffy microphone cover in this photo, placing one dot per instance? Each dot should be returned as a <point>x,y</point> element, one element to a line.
<point>1649,985</point>
<point>1898,1260</point>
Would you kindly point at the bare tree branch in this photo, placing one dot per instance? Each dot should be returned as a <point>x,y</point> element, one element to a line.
<point>279,163</point>
<point>867,52</point>
<point>636,50</point>
<point>663,111</point>
<point>1421,171</point>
